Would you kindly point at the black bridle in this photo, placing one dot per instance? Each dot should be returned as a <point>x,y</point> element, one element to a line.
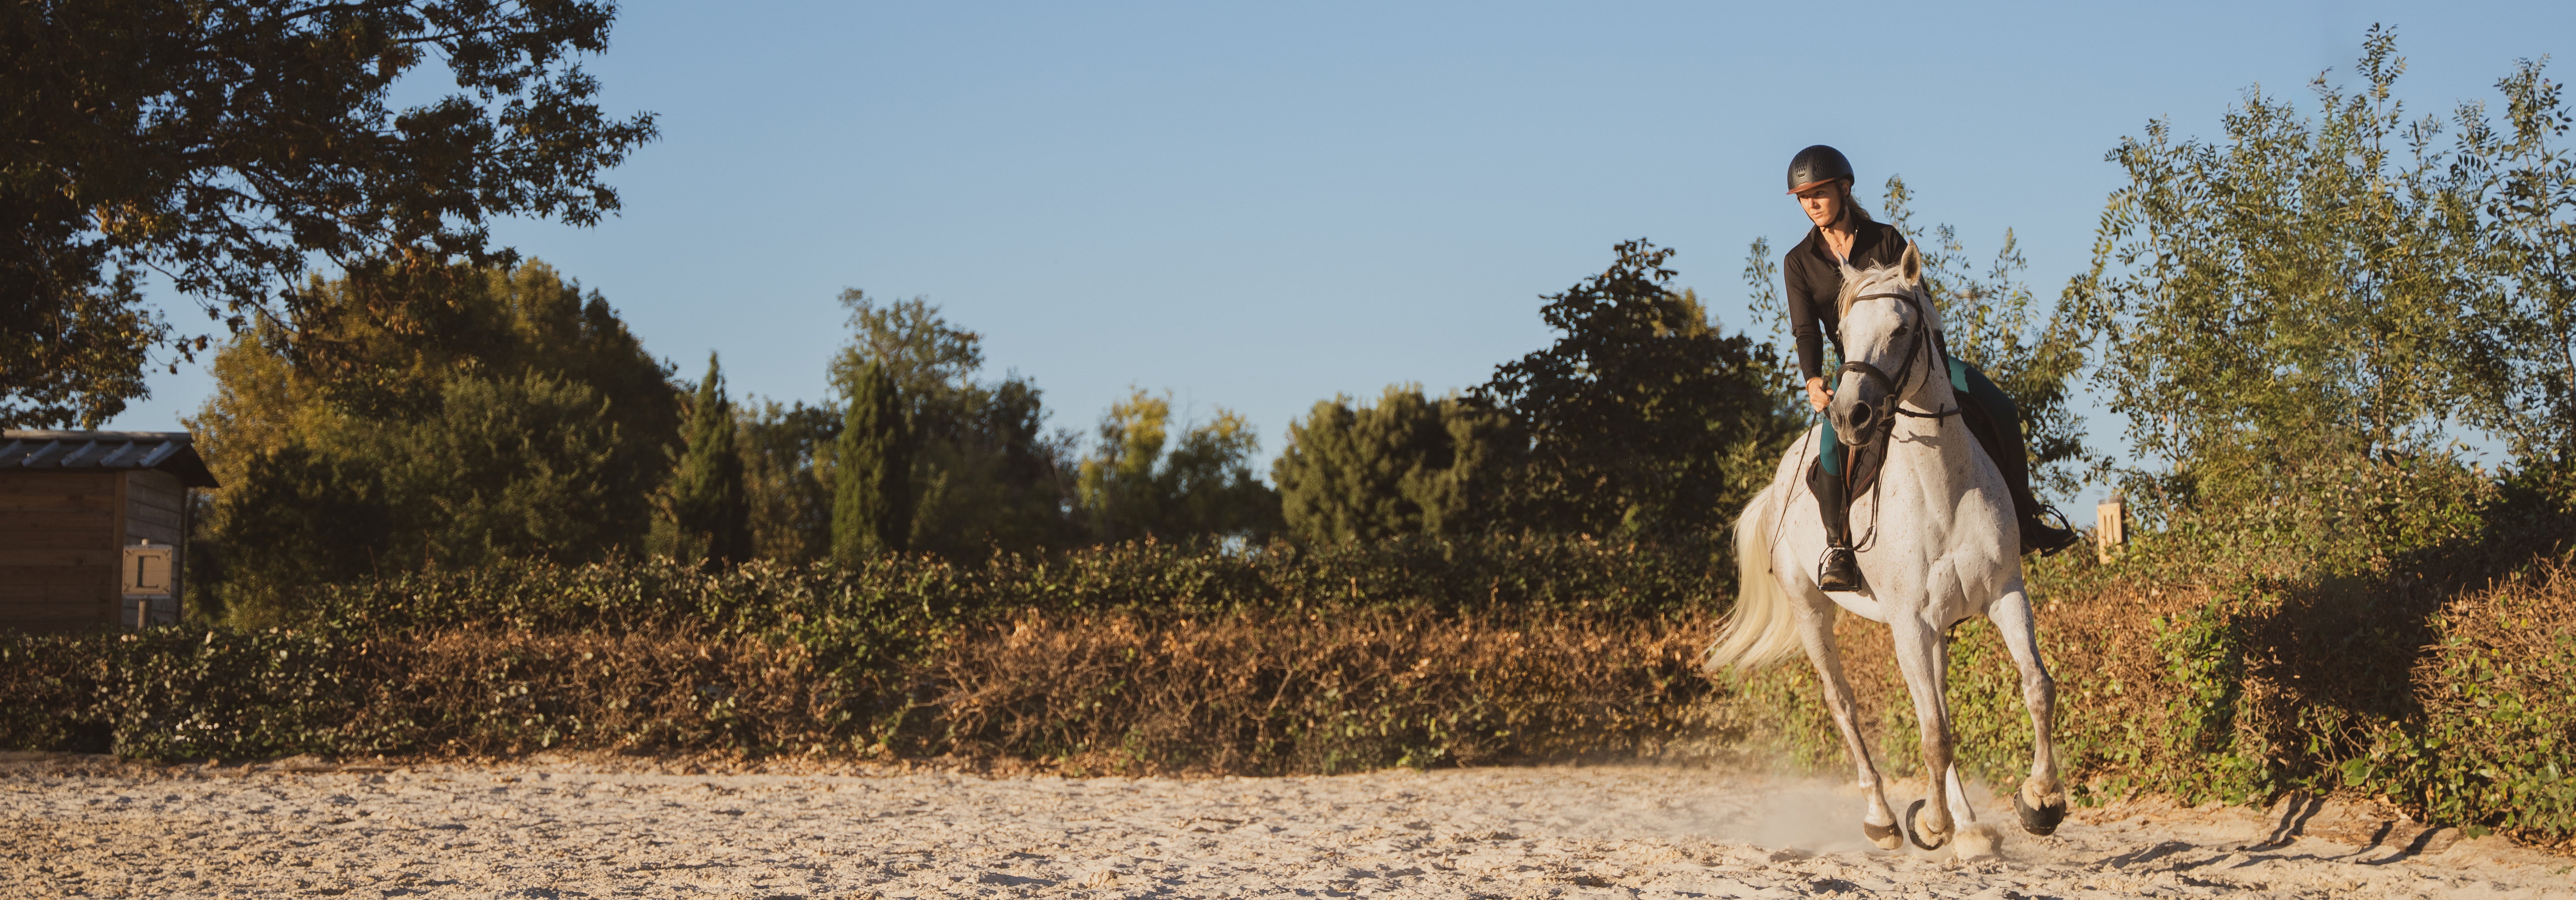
<point>1896,386</point>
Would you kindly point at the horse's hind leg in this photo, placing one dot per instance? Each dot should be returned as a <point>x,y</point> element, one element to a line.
<point>1816,630</point>
<point>2041,801</point>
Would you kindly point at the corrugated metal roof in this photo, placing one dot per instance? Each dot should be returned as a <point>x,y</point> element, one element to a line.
<point>174,452</point>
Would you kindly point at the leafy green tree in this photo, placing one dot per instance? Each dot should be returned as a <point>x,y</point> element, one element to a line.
<point>786,453</point>
<point>703,515</point>
<point>529,422</point>
<point>227,142</point>
<point>526,466</point>
<point>2278,313</point>
<point>509,467</point>
<point>872,504</point>
<point>985,473</point>
<point>1643,419</point>
<point>1131,488</point>
<point>76,359</point>
<point>487,322</point>
<point>1408,465</point>
<point>289,518</point>
<point>2518,357</point>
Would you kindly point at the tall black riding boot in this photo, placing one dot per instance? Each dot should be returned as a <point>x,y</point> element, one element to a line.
<point>2013,461</point>
<point>1839,570</point>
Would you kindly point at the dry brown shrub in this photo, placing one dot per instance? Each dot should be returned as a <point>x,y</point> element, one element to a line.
<point>481,692</point>
<point>1264,693</point>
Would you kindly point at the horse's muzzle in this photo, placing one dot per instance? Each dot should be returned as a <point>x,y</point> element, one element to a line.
<point>1861,418</point>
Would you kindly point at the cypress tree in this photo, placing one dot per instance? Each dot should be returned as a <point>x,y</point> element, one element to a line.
<point>872,490</point>
<point>706,514</point>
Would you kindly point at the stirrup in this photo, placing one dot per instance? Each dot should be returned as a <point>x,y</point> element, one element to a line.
<point>2046,539</point>
<point>1842,577</point>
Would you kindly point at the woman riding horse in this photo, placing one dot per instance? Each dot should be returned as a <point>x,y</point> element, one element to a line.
<point>1844,237</point>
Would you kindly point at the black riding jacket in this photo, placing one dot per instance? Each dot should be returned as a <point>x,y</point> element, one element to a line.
<point>1816,281</point>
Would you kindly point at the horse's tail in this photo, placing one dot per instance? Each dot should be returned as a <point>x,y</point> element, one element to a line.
<point>1762,630</point>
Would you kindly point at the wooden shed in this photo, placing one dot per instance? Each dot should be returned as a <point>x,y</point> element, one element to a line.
<point>94,527</point>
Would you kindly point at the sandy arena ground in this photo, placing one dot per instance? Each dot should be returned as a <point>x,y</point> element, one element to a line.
<point>86,827</point>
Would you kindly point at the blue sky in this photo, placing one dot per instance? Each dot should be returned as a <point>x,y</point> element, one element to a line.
<point>1260,207</point>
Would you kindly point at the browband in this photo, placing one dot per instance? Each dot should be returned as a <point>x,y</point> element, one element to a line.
<point>1842,310</point>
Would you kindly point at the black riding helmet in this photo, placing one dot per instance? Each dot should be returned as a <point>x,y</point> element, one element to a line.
<point>1817,164</point>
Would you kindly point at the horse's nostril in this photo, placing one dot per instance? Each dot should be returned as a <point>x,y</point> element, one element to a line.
<point>1860,415</point>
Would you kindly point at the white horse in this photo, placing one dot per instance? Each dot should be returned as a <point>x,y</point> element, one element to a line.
<point>1937,542</point>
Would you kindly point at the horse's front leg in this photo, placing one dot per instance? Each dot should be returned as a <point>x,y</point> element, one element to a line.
<point>1816,630</point>
<point>1919,657</point>
<point>2041,801</point>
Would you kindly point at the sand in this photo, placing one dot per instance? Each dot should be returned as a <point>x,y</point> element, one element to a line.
<point>87,827</point>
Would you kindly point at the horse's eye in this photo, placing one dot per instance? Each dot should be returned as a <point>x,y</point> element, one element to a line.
<point>1902,329</point>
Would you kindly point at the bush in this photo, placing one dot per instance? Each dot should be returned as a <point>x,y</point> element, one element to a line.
<point>2428,689</point>
<point>1261,693</point>
<point>2498,725</point>
<point>906,654</point>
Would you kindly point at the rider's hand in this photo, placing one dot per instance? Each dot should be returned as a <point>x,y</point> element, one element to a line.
<point>1817,396</point>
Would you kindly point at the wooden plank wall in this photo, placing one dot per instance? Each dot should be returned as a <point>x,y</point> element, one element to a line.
<point>58,550</point>
<point>156,509</point>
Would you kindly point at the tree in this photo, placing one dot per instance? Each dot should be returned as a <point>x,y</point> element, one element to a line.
<point>1405,466</point>
<point>491,323</point>
<point>872,506</point>
<point>2519,354</point>
<point>517,467</point>
<point>786,452</point>
<point>985,474</point>
<point>1130,488</point>
<point>703,515</point>
<point>2280,314</point>
<point>287,519</point>
<point>225,143</point>
<point>78,359</point>
<point>1643,419</point>
<point>531,423</point>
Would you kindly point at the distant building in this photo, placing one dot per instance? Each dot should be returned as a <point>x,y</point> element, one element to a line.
<point>94,527</point>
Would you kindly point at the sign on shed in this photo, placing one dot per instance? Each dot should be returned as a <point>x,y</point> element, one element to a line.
<point>147,571</point>
<point>94,527</point>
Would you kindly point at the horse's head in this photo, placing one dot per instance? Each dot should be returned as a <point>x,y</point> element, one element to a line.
<point>1887,328</point>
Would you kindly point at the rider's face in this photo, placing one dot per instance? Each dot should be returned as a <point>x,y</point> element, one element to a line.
<point>1823,203</point>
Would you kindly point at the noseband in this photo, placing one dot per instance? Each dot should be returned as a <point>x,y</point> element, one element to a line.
<point>1896,387</point>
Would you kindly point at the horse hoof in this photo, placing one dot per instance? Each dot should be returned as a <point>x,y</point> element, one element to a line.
<point>2042,821</point>
<point>1914,832</point>
<point>1885,836</point>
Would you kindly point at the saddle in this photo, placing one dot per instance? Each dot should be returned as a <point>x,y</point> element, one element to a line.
<point>1860,471</point>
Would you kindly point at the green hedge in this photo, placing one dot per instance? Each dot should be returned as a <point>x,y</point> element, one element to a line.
<point>2443,695</point>
<point>768,659</point>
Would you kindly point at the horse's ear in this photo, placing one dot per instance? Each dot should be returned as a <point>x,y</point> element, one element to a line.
<point>1911,266</point>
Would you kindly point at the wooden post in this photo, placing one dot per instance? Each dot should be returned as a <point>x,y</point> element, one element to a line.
<point>2110,527</point>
